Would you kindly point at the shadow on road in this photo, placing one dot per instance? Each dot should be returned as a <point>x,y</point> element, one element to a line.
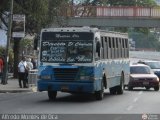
<point>142,89</point>
<point>78,98</point>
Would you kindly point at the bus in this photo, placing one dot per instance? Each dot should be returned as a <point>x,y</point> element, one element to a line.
<point>82,60</point>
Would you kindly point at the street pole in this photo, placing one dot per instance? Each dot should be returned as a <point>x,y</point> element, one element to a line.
<point>6,59</point>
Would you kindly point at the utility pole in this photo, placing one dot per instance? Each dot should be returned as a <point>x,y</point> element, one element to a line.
<point>6,59</point>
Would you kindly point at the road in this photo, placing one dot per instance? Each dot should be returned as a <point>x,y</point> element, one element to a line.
<point>138,101</point>
<point>129,106</point>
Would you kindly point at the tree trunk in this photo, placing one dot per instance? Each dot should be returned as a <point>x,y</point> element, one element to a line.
<point>16,56</point>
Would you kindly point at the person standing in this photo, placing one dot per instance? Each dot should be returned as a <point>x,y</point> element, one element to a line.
<point>22,72</point>
<point>1,66</point>
<point>29,67</point>
<point>34,63</point>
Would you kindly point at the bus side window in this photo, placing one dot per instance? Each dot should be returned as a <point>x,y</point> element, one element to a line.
<point>98,46</point>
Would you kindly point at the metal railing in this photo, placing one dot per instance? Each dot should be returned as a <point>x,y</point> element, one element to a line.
<point>105,11</point>
<point>32,77</point>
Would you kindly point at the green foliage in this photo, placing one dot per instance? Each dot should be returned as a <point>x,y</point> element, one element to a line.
<point>123,2</point>
<point>35,12</point>
<point>144,40</point>
<point>39,13</point>
<point>2,49</point>
<point>11,54</point>
<point>26,42</point>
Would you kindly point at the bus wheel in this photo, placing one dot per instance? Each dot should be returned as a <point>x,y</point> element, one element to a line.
<point>52,95</point>
<point>100,94</point>
<point>121,86</point>
<point>112,90</point>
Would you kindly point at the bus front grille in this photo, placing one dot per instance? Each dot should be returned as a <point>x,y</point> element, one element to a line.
<point>65,73</point>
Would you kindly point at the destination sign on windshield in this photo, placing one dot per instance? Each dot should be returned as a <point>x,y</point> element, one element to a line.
<point>63,51</point>
<point>67,36</point>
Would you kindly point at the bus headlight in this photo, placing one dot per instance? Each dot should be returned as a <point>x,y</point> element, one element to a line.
<point>45,77</point>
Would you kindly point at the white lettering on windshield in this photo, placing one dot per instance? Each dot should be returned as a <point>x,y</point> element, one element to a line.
<point>54,44</point>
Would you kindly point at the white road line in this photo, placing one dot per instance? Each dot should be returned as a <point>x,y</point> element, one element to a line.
<point>135,99</point>
<point>139,93</point>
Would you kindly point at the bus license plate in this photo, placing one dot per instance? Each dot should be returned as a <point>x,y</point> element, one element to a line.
<point>64,88</point>
<point>145,83</point>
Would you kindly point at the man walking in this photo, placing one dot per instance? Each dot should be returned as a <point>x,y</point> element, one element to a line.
<point>22,72</point>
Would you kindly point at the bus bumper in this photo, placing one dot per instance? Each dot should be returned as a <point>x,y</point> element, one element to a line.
<point>66,86</point>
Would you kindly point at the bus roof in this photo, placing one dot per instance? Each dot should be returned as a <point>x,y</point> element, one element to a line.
<point>113,34</point>
<point>70,29</point>
<point>86,29</point>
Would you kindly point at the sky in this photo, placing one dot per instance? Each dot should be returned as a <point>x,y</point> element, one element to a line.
<point>3,38</point>
<point>158,2</point>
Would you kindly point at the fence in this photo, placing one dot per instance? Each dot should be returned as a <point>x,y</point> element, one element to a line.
<point>106,11</point>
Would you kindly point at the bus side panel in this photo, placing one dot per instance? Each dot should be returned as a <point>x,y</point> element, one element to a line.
<point>113,70</point>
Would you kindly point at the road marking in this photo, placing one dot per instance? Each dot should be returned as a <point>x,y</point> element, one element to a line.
<point>135,99</point>
<point>130,107</point>
<point>139,93</point>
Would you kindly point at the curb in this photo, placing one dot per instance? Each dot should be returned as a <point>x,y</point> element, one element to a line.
<point>32,89</point>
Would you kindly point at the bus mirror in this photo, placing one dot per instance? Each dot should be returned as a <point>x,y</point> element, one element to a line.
<point>96,57</point>
<point>98,48</point>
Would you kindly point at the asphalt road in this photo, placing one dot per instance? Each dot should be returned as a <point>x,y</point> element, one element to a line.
<point>139,101</point>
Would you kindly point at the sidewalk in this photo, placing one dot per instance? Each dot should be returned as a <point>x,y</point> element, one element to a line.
<point>13,87</point>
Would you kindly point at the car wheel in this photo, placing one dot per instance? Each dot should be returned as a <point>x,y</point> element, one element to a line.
<point>156,88</point>
<point>130,88</point>
<point>52,95</point>
<point>147,88</point>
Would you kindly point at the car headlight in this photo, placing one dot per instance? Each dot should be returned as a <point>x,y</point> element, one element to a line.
<point>157,79</point>
<point>45,77</point>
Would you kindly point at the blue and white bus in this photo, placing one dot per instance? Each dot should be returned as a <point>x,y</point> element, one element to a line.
<point>83,60</point>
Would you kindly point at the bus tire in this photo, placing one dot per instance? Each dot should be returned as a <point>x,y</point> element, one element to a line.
<point>52,95</point>
<point>100,94</point>
<point>120,88</point>
<point>112,90</point>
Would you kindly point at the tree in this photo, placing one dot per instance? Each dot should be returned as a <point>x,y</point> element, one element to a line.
<point>37,14</point>
<point>123,2</point>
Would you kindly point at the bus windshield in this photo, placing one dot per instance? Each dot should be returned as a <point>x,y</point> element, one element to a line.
<point>70,50</point>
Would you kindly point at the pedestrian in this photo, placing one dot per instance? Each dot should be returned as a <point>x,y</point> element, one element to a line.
<point>22,72</point>
<point>29,67</point>
<point>34,63</point>
<point>1,66</point>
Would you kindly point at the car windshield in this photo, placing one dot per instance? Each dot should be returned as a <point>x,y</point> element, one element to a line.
<point>140,70</point>
<point>154,65</point>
